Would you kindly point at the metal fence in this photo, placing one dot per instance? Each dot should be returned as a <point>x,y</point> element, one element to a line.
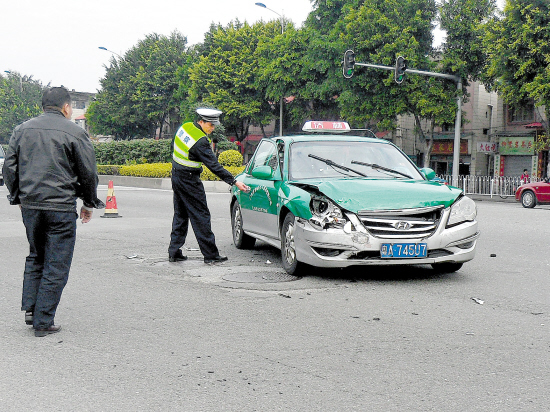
<point>502,186</point>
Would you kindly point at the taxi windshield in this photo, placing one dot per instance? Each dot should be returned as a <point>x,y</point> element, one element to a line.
<point>330,159</point>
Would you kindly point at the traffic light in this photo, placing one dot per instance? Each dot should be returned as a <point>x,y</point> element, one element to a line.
<point>348,64</point>
<point>400,68</point>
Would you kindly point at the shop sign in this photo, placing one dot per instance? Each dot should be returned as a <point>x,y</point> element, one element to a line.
<point>516,145</point>
<point>486,147</point>
<point>447,147</point>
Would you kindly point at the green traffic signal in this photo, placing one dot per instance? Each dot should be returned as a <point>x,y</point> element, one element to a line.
<point>348,64</point>
<point>400,68</point>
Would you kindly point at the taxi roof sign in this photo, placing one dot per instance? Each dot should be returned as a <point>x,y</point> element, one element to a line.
<point>326,127</point>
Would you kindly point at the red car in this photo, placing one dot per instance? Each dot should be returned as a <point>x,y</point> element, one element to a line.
<point>534,193</point>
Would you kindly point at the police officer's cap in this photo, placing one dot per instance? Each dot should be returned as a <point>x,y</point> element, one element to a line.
<point>210,115</point>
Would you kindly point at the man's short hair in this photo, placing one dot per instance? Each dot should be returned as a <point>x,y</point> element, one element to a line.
<point>56,97</point>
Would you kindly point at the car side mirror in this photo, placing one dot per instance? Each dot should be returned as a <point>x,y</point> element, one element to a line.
<point>429,173</point>
<point>262,172</point>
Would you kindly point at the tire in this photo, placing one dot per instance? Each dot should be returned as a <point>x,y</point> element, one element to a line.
<point>240,239</point>
<point>528,199</point>
<point>288,247</point>
<point>447,267</point>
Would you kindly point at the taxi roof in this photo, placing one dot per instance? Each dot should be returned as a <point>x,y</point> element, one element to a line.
<point>329,137</point>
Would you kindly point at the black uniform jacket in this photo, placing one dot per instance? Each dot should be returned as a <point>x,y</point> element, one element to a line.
<point>50,163</point>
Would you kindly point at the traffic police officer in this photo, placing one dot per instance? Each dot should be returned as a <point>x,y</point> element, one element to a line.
<point>192,149</point>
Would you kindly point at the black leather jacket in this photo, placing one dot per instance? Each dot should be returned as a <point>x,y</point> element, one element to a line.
<point>50,163</point>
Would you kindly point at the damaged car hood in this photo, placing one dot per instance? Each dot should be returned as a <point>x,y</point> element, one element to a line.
<point>391,194</point>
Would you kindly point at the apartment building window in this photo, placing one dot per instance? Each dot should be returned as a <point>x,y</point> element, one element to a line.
<point>523,113</point>
<point>79,105</point>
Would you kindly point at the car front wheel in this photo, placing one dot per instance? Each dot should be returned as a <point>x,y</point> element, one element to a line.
<point>240,239</point>
<point>528,199</point>
<point>288,246</point>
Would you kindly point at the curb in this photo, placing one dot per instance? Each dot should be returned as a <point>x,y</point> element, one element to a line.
<point>158,183</point>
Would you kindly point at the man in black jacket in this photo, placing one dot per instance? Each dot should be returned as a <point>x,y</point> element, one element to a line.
<point>50,163</point>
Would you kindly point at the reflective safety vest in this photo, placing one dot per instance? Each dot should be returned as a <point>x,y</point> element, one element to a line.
<point>186,136</point>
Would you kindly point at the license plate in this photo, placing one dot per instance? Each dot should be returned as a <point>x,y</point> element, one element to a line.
<point>403,250</point>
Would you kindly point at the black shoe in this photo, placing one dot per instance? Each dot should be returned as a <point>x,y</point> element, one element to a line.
<point>216,259</point>
<point>40,333</point>
<point>178,257</point>
<point>28,317</point>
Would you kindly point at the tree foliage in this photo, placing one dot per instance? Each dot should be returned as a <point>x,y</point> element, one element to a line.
<point>20,100</point>
<point>226,76</point>
<point>463,53</point>
<point>518,47</point>
<point>138,91</point>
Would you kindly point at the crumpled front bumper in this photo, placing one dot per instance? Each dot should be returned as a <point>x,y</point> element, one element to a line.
<point>341,248</point>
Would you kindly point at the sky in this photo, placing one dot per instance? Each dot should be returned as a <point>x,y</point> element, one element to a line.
<point>58,43</point>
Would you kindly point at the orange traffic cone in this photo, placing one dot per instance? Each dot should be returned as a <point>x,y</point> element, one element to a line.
<point>110,205</point>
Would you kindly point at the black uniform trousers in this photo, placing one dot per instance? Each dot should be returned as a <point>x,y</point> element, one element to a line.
<point>190,205</point>
<point>51,237</point>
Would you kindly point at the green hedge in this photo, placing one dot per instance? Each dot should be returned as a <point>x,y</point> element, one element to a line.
<point>133,151</point>
<point>158,170</point>
<point>231,158</point>
<point>128,152</point>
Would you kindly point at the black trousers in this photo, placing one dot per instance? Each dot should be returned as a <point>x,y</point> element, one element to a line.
<point>190,205</point>
<point>51,237</point>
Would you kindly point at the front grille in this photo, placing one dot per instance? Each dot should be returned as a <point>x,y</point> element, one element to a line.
<point>402,224</point>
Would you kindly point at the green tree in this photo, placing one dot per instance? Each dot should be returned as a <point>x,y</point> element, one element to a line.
<point>20,100</point>
<point>225,75</point>
<point>518,47</point>
<point>138,91</point>
<point>464,22</point>
<point>380,31</point>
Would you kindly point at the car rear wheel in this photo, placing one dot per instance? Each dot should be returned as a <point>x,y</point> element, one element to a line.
<point>447,267</point>
<point>288,246</point>
<point>528,199</point>
<point>240,239</point>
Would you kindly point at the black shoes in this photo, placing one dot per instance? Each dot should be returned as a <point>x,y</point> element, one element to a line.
<point>40,333</point>
<point>216,259</point>
<point>178,257</point>
<point>28,317</point>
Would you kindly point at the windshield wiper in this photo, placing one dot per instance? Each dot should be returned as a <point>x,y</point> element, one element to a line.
<point>331,163</point>
<point>378,167</point>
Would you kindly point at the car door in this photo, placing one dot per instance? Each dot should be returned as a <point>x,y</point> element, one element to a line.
<point>259,206</point>
<point>543,192</point>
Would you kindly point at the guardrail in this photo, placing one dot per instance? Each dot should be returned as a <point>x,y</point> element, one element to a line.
<point>502,186</point>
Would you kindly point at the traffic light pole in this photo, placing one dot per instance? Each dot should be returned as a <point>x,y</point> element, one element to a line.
<point>458,120</point>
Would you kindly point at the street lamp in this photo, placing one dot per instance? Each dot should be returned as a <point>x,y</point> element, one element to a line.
<point>281,17</point>
<point>20,82</point>
<point>110,51</point>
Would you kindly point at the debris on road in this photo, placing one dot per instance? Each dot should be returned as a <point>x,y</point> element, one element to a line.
<point>478,301</point>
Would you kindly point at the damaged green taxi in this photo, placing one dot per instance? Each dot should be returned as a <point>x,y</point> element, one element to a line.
<point>338,201</point>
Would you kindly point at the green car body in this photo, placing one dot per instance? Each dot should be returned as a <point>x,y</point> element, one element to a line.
<point>335,201</point>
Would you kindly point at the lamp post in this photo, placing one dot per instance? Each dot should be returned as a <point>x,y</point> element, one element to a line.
<point>110,51</point>
<point>20,82</point>
<point>281,17</point>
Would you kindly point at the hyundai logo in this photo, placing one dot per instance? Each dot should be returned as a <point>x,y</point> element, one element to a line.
<point>402,225</point>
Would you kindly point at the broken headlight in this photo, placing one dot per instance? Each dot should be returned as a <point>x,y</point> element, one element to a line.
<point>462,211</point>
<point>325,214</point>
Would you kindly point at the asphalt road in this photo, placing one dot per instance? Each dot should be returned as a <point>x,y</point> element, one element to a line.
<point>142,334</point>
